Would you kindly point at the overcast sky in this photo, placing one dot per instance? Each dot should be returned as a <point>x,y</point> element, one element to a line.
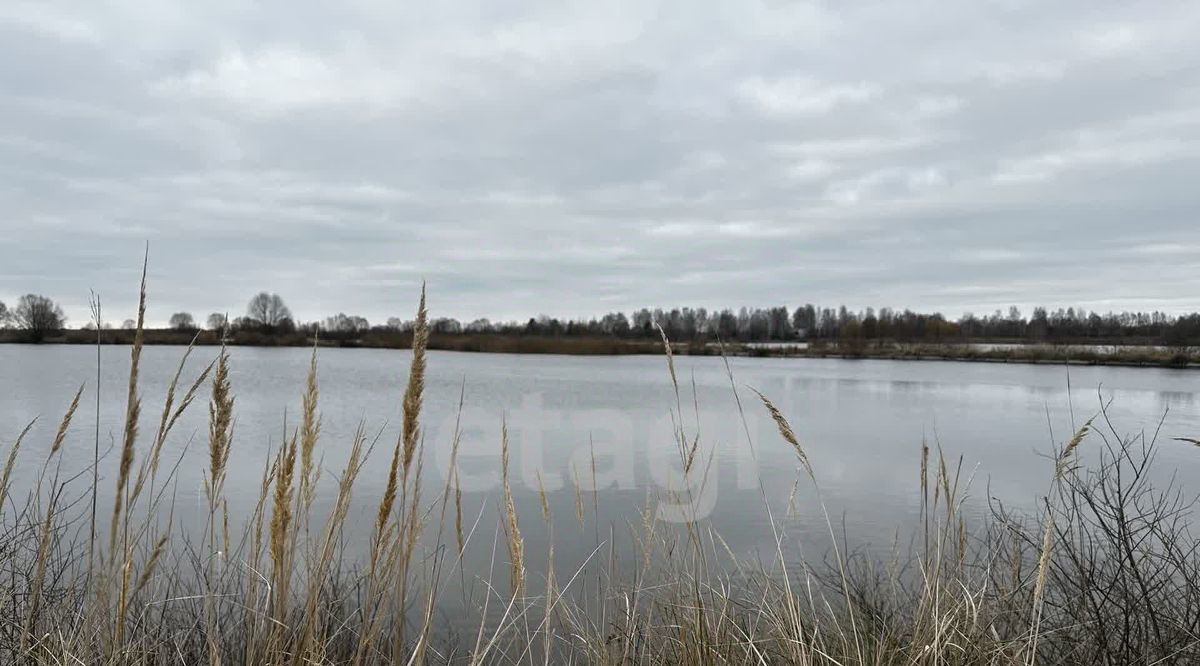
<point>572,158</point>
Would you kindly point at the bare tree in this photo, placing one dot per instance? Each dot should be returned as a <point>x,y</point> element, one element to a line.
<point>344,323</point>
<point>446,325</point>
<point>216,321</point>
<point>38,316</point>
<point>478,326</point>
<point>182,321</point>
<point>5,316</point>
<point>128,325</point>
<point>268,311</point>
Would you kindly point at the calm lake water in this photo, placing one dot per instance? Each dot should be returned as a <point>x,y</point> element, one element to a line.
<point>861,422</point>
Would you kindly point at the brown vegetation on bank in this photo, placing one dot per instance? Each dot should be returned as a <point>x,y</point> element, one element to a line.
<point>1085,354</point>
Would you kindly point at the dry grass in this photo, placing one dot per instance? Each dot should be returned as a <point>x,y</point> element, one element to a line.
<point>1105,573</point>
<point>512,530</point>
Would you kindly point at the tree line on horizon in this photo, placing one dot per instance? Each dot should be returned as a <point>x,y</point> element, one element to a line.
<point>268,314</point>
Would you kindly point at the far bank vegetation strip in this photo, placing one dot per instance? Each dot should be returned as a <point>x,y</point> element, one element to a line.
<point>973,350</point>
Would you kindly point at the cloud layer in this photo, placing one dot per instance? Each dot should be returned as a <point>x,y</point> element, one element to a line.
<point>571,158</point>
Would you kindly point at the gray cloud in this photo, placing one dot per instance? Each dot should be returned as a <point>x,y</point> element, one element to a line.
<point>570,158</point>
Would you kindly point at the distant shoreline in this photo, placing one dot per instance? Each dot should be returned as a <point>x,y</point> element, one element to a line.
<point>981,351</point>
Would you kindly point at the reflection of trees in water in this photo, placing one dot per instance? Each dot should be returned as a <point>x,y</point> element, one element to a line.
<point>1176,398</point>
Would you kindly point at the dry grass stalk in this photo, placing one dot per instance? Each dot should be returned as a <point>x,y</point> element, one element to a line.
<point>279,541</point>
<point>516,546</point>
<point>252,577</point>
<point>6,475</point>
<point>452,476</point>
<point>578,495</point>
<point>410,435</point>
<point>551,596</point>
<point>408,532</point>
<point>318,573</point>
<point>133,410</point>
<point>595,483</point>
<point>542,497</point>
<point>691,455</point>
<point>687,454</point>
<point>422,647</point>
<point>412,522</point>
<point>39,577</point>
<point>670,357</point>
<point>1062,464</point>
<point>94,305</point>
<point>310,431</point>
<point>152,563</point>
<point>925,492</point>
<point>43,549</point>
<point>392,545</point>
<point>220,436</point>
<point>416,384</point>
<point>458,515</point>
<point>170,415</point>
<point>388,500</point>
<point>419,652</point>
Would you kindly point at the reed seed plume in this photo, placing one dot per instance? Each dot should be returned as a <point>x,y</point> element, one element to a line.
<point>121,554</point>
<point>1063,461</point>
<point>785,431</point>
<point>416,384</point>
<point>220,424</point>
<point>542,496</point>
<point>10,461</point>
<point>516,546</point>
<point>63,425</point>
<point>133,409</point>
<point>691,455</point>
<point>281,519</point>
<point>220,435</point>
<point>281,508</point>
<point>388,499</point>
<point>394,545</point>
<point>310,431</point>
<point>415,520</point>
<point>670,358</point>
<point>1043,565</point>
